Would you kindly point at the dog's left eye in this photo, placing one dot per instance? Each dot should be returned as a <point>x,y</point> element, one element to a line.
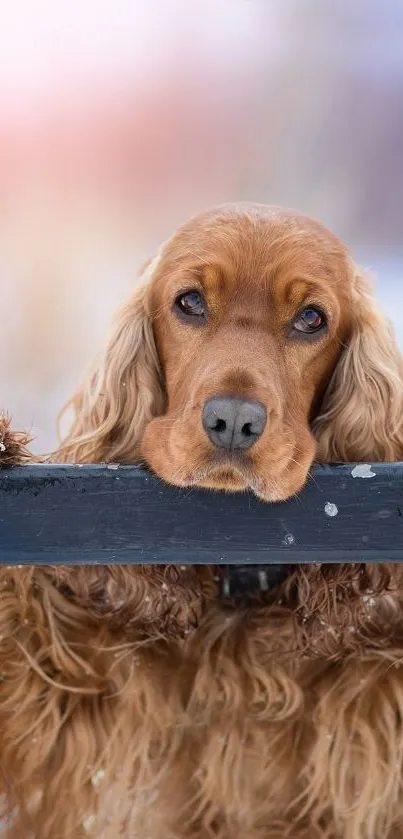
<point>191,304</point>
<point>310,321</point>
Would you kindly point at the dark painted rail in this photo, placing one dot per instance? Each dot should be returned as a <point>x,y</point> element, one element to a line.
<point>109,514</point>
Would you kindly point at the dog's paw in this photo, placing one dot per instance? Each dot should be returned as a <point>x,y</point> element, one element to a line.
<point>13,444</point>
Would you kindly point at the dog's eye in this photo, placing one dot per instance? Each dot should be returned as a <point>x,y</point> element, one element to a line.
<point>190,304</point>
<point>310,321</point>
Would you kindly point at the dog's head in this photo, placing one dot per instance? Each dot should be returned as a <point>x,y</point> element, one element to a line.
<point>253,348</point>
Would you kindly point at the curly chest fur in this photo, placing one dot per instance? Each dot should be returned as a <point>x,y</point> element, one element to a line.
<point>267,721</point>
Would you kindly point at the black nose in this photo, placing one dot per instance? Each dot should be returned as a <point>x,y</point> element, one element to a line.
<point>233,423</point>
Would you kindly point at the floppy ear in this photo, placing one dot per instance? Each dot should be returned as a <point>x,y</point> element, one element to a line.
<point>123,391</point>
<point>361,417</point>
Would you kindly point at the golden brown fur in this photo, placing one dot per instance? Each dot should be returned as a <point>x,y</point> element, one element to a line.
<point>133,704</point>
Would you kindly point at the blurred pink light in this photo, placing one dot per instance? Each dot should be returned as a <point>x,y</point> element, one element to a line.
<point>129,94</point>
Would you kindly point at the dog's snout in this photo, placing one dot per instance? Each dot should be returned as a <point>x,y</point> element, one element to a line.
<point>232,423</point>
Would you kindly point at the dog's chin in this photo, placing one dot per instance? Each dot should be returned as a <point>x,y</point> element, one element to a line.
<point>223,479</point>
<point>231,479</point>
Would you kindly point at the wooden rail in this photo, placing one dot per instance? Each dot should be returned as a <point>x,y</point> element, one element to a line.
<point>121,514</point>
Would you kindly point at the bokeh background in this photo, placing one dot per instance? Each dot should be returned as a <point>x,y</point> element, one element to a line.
<point>119,119</point>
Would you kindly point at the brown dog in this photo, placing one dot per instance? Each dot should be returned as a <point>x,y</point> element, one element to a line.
<point>132,704</point>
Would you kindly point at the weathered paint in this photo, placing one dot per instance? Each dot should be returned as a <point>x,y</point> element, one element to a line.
<point>59,514</point>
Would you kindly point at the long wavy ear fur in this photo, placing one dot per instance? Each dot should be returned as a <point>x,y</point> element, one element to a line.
<point>361,416</point>
<point>123,392</point>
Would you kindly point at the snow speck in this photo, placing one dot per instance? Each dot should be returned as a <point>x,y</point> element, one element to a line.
<point>112,466</point>
<point>363,470</point>
<point>88,823</point>
<point>369,600</point>
<point>331,509</point>
<point>289,539</point>
<point>98,777</point>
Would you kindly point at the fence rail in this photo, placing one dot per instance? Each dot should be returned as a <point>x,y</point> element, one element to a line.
<point>120,514</point>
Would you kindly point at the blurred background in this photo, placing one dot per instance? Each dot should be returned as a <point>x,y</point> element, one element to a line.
<point>120,118</point>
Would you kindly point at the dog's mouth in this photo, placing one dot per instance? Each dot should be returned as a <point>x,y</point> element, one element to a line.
<point>230,471</point>
<point>236,473</point>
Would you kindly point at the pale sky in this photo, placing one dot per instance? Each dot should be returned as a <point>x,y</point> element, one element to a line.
<point>45,44</point>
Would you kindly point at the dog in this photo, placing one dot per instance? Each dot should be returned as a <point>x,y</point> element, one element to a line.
<point>135,703</point>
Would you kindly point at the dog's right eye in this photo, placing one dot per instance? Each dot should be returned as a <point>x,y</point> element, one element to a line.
<point>190,305</point>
